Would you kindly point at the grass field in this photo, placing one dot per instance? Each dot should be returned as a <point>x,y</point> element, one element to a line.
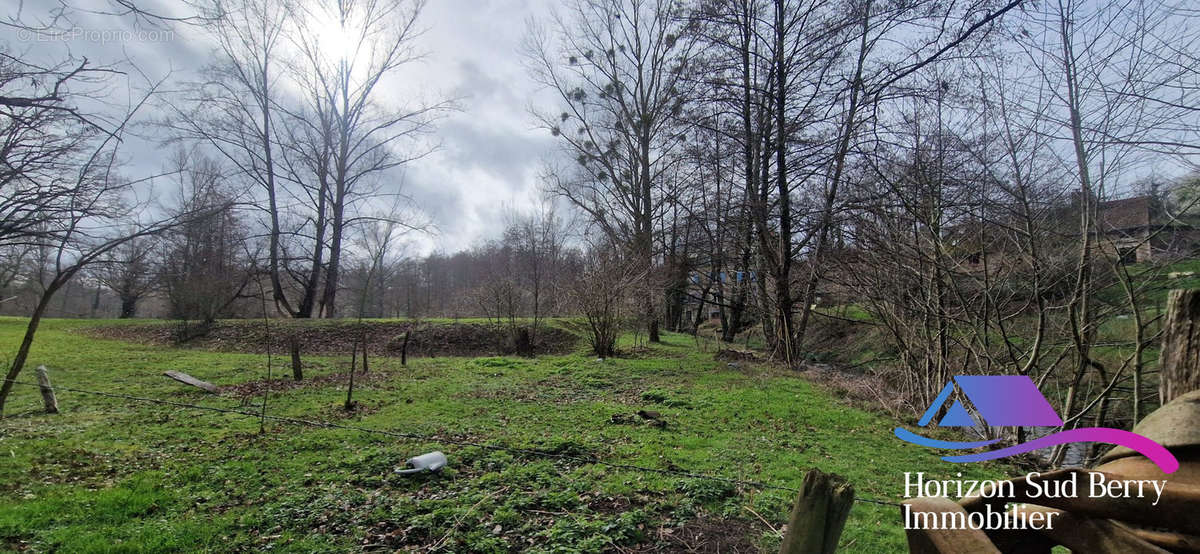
<point>109,475</point>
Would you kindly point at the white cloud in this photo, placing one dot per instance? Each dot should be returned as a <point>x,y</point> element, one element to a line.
<point>490,153</point>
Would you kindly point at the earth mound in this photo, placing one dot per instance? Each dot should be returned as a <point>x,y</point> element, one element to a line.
<point>335,337</point>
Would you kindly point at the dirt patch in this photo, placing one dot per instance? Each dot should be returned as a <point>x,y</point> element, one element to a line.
<point>257,388</point>
<point>705,534</point>
<point>862,389</point>
<point>338,338</point>
<point>730,355</point>
<point>69,466</point>
<point>561,390</point>
<point>339,412</point>
<point>609,504</point>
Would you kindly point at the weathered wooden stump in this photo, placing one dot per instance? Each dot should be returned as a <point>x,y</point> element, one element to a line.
<point>818,515</point>
<point>48,399</point>
<point>1180,364</point>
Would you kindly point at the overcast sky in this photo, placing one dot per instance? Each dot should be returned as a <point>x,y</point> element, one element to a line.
<point>490,151</point>
<point>489,154</point>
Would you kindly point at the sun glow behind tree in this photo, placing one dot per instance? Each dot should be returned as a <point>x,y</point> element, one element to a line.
<point>356,42</point>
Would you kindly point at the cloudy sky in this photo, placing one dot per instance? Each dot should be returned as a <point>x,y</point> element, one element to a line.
<point>489,152</point>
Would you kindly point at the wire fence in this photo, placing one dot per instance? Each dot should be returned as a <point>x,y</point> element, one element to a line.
<point>443,440</point>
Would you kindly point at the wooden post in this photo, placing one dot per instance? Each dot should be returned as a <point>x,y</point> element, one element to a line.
<point>1180,364</point>
<point>364,355</point>
<point>404,350</point>
<point>297,367</point>
<point>819,514</point>
<point>189,380</point>
<point>48,399</point>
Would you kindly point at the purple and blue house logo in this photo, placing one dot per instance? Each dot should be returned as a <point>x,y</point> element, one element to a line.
<point>1015,401</point>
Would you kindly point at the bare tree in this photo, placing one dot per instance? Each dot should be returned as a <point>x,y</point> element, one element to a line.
<point>207,263</point>
<point>128,271</point>
<point>76,230</point>
<point>375,273</point>
<point>61,193</point>
<point>349,49</point>
<point>235,110</point>
<point>13,260</point>
<point>1114,99</point>
<point>617,68</point>
<point>602,292</point>
<point>293,102</point>
<point>539,247</point>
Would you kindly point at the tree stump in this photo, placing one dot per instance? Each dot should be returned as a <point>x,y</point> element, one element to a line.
<point>1180,364</point>
<point>819,514</point>
<point>48,399</point>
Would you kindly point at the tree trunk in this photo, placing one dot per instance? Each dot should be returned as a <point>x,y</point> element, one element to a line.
<point>700,311</point>
<point>95,301</point>
<point>1180,373</point>
<point>312,283</point>
<point>831,193</point>
<point>522,342</point>
<point>280,298</point>
<point>751,173</point>
<point>18,364</point>
<point>333,271</point>
<point>128,307</point>
<point>784,302</point>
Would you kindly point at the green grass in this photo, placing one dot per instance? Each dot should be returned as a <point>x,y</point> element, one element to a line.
<point>109,475</point>
<point>1156,281</point>
<point>852,312</point>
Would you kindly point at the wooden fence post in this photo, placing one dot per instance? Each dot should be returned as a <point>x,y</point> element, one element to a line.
<point>819,514</point>
<point>364,355</point>
<point>297,366</point>
<point>48,399</point>
<point>1180,364</point>
<point>404,350</point>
